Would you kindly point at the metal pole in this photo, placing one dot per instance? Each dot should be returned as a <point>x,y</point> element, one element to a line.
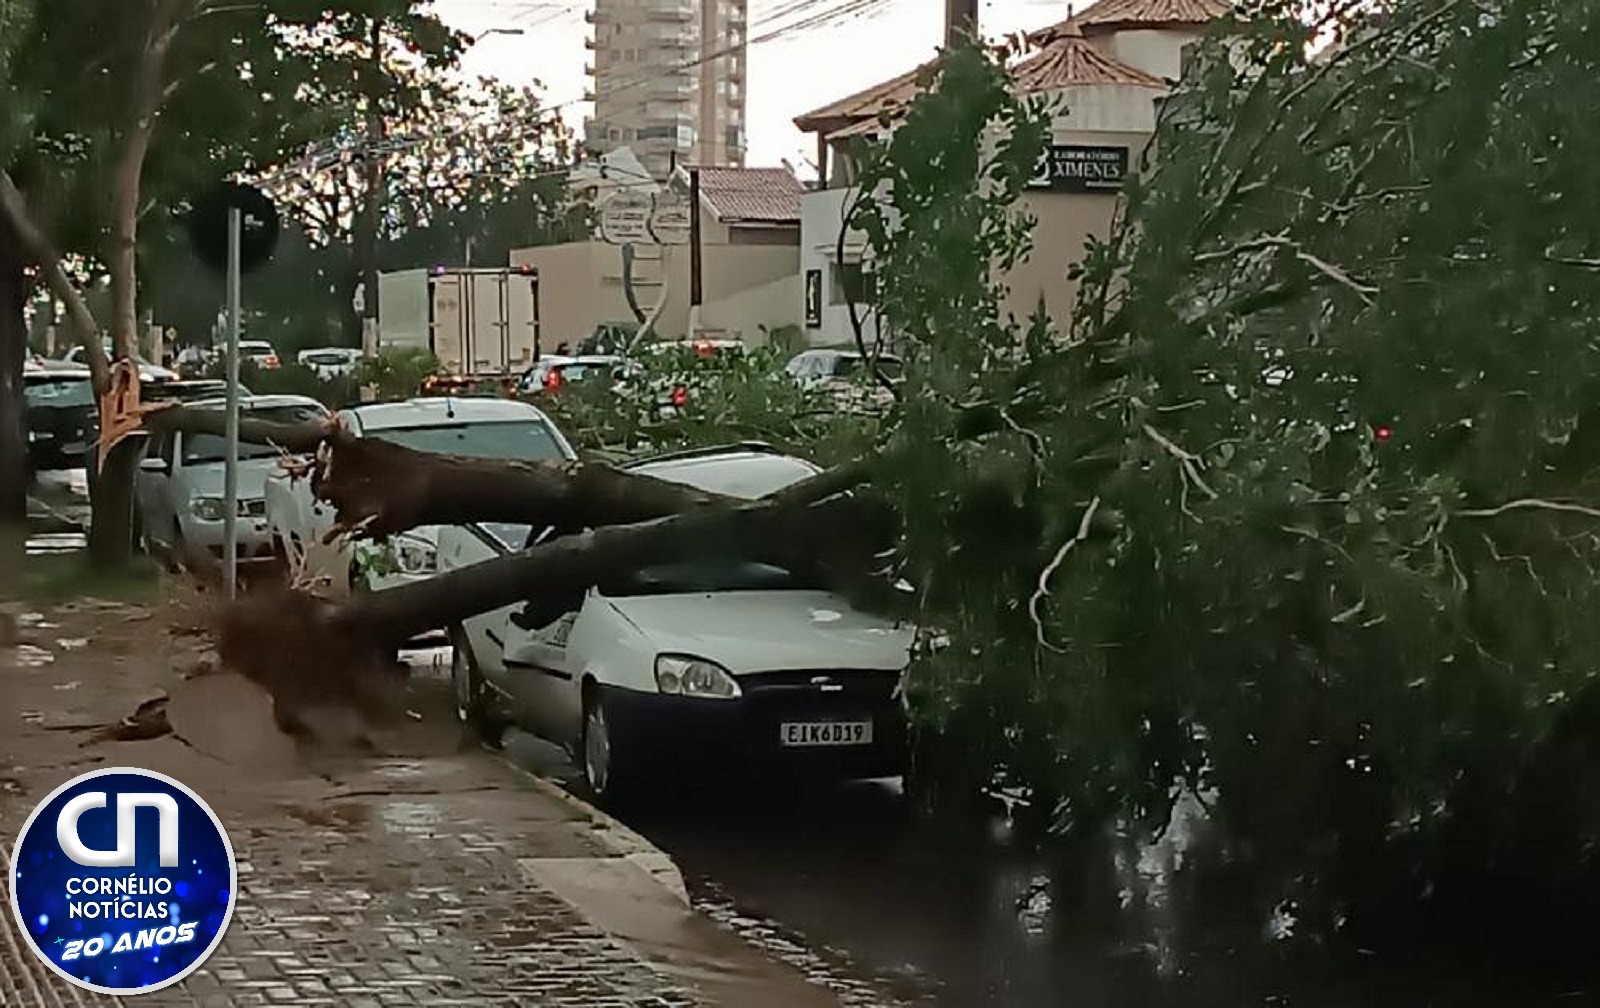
<point>694,238</point>
<point>230,464</point>
<point>960,21</point>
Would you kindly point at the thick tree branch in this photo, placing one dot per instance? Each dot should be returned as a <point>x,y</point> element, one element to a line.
<point>14,208</point>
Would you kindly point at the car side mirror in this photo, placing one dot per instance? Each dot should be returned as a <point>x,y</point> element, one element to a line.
<point>155,464</point>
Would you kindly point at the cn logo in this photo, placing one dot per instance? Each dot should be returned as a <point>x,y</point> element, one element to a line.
<point>123,855</point>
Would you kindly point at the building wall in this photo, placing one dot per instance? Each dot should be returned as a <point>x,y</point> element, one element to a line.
<point>742,287</point>
<point>821,219</point>
<point>647,95</point>
<point>1158,52</point>
<point>1101,115</point>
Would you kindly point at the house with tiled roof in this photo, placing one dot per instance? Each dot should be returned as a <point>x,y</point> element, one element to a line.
<point>749,222</point>
<point>1103,71</point>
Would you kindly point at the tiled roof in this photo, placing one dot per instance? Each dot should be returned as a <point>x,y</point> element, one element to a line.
<point>768,195</point>
<point>864,104</point>
<point>1111,15</point>
<point>1069,59</point>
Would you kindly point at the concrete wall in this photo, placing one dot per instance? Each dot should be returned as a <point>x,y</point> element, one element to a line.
<point>821,219</point>
<point>742,287</point>
<point>1158,52</point>
<point>749,314</point>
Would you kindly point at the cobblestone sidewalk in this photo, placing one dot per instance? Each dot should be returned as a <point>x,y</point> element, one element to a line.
<point>421,905</point>
<point>387,882</point>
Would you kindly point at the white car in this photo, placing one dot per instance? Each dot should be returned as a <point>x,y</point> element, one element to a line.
<point>258,352</point>
<point>148,372</point>
<point>477,428</point>
<point>688,668</point>
<point>330,362</point>
<point>843,375</point>
<point>178,493</point>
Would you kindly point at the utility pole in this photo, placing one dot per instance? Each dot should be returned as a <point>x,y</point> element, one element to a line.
<point>960,21</point>
<point>694,250</point>
<point>230,463</point>
<point>372,211</point>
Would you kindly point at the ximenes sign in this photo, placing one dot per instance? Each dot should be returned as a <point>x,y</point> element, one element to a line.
<point>1080,169</point>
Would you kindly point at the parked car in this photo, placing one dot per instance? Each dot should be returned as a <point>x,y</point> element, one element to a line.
<point>551,374</point>
<point>330,362</point>
<point>476,428</point>
<point>823,366</point>
<point>63,416</point>
<point>259,353</point>
<point>846,376</point>
<point>148,372</point>
<point>179,491</point>
<point>687,668</point>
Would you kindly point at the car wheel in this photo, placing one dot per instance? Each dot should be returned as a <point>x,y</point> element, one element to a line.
<point>474,706</point>
<point>609,770</point>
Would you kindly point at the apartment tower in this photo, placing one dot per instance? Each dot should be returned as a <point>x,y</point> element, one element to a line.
<point>668,81</point>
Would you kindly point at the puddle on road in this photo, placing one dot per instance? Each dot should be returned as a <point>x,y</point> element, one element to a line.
<point>828,968</point>
<point>29,656</point>
<point>398,769</point>
<point>415,819</point>
<point>56,542</point>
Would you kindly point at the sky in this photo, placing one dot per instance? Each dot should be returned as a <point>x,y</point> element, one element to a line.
<point>794,72</point>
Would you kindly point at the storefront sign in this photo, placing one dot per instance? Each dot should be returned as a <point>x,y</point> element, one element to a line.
<point>1080,169</point>
<point>625,218</point>
<point>813,299</point>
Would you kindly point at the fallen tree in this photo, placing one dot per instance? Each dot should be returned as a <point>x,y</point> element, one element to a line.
<point>602,522</point>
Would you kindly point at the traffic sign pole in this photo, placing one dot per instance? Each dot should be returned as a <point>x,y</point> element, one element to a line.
<point>230,465</point>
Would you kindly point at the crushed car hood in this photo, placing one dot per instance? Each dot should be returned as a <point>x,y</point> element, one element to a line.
<point>761,631</point>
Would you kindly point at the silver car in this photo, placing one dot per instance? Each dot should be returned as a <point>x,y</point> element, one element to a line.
<point>179,493</point>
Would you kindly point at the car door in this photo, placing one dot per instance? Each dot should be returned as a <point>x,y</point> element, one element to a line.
<point>541,673</point>
<point>153,488</point>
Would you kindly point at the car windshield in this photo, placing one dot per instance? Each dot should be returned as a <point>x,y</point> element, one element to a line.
<point>256,349</point>
<point>60,392</point>
<point>703,577</point>
<point>515,440</point>
<point>850,367</point>
<point>204,449</point>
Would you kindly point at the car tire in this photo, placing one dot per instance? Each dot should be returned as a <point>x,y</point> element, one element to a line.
<point>611,771</point>
<point>470,694</point>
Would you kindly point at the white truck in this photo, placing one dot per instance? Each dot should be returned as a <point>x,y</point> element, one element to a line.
<point>482,324</point>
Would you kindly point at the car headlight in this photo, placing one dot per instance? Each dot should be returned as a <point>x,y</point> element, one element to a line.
<point>414,556</point>
<point>681,675</point>
<point>209,509</point>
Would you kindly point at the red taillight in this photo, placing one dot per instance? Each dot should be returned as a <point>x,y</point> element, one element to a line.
<point>552,379</point>
<point>680,396</point>
<point>1383,434</point>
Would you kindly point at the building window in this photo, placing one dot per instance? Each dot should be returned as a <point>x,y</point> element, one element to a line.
<point>734,139</point>
<point>849,283</point>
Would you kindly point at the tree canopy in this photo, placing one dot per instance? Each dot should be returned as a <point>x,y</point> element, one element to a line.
<point>1302,508</point>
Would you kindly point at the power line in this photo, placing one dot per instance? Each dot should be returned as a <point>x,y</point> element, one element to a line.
<point>814,14</point>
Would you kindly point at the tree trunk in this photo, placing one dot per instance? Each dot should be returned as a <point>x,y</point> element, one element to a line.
<point>300,647</point>
<point>15,472</point>
<point>111,497</point>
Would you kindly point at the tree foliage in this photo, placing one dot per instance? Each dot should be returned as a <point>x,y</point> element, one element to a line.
<point>1302,508</point>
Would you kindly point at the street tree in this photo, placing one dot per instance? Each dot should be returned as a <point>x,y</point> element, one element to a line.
<point>430,154</point>
<point>218,83</point>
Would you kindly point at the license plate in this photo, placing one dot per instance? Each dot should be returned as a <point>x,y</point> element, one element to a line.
<point>75,447</point>
<point>825,733</point>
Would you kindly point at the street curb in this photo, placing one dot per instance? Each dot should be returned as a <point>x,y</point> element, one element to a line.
<point>619,840</point>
